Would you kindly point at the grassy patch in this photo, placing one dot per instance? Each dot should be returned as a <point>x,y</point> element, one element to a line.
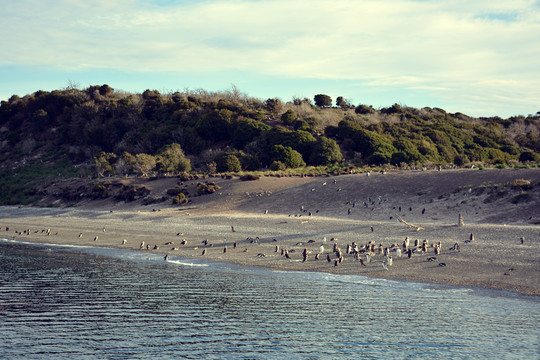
<point>19,185</point>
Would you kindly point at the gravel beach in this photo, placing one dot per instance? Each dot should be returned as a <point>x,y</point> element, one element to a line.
<point>256,222</point>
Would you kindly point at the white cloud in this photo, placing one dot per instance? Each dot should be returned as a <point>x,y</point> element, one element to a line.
<point>443,46</point>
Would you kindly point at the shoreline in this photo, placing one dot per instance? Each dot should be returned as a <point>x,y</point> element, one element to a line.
<point>206,262</point>
<point>482,263</point>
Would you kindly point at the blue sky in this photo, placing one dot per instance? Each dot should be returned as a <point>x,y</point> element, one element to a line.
<point>478,57</point>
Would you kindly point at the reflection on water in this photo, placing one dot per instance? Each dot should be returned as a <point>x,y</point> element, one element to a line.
<point>99,303</point>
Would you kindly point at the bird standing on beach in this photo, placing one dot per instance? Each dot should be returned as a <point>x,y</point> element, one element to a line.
<point>232,228</point>
<point>305,254</point>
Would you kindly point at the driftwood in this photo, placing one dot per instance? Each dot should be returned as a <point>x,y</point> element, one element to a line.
<point>416,227</point>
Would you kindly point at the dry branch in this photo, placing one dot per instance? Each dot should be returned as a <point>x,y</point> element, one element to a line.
<point>416,227</point>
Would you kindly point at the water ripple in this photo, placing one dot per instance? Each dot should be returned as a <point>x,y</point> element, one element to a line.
<point>95,304</point>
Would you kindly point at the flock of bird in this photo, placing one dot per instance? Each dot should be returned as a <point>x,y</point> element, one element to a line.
<point>363,254</point>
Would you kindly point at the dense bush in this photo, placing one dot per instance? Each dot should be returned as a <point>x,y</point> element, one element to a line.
<point>171,159</point>
<point>132,192</point>
<point>228,163</point>
<point>246,130</point>
<point>277,166</point>
<point>249,177</point>
<point>325,151</point>
<point>286,155</point>
<point>207,188</point>
<point>364,109</point>
<point>288,117</point>
<point>152,134</point>
<point>180,199</point>
<point>322,100</point>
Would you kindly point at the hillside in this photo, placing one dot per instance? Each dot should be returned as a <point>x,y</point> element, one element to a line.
<point>82,133</point>
<point>497,196</point>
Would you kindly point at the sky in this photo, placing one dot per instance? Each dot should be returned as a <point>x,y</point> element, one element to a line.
<point>480,57</point>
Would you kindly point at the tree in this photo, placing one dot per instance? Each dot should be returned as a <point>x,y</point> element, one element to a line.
<point>322,100</point>
<point>364,109</point>
<point>325,151</point>
<point>171,158</point>
<point>125,164</point>
<point>215,125</point>
<point>367,142</point>
<point>285,154</point>
<point>103,163</point>
<point>407,152</point>
<point>145,163</point>
<point>228,163</point>
<point>273,105</point>
<point>342,103</point>
<point>247,130</point>
<point>250,162</point>
<point>105,90</point>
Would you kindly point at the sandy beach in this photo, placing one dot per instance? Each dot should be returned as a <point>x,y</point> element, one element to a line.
<point>253,219</point>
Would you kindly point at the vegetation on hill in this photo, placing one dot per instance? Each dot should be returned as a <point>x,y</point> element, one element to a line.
<point>99,131</point>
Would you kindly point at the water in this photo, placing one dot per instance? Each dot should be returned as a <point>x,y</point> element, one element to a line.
<point>90,303</point>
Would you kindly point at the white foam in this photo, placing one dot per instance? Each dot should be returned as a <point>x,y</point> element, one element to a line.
<point>47,244</point>
<point>178,262</point>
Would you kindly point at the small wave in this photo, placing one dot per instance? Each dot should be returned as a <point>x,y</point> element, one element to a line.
<point>441,288</point>
<point>45,244</point>
<point>183,263</point>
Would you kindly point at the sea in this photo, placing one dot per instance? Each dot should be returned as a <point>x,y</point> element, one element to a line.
<point>65,302</point>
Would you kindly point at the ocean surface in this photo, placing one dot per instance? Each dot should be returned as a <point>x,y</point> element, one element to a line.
<point>59,302</point>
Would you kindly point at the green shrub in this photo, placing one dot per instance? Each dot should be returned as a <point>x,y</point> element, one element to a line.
<point>130,193</point>
<point>289,157</point>
<point>288,117</point>
<point>100,191</point>
<point>277,166</point>
<point>153,200</point>
<point>460,160</point>
<point>325,151</point>
<point>250,162</point>
<point>364,109</point>
<point>228,163</point>
<point>180,199</point>
<point>249,177</point>
<point>246,130</point>
<point>207,188</point>
<point>171,158</point>
<point>176,191</point>
<point>527,156</point>
<point>322,100</point>
<point>301,125</point>
<point>521,184</point>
